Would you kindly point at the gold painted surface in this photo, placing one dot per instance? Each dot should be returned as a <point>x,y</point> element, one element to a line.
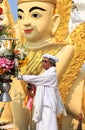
<point>77,37</point>
<point>64,9</point>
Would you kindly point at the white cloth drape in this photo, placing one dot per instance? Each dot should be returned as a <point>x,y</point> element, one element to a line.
<point>47,92</point>
<point>48,121</point>
<point>47,102</point>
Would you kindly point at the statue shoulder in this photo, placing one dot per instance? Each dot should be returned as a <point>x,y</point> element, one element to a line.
<point>67,48</point>
<point>65,56</point>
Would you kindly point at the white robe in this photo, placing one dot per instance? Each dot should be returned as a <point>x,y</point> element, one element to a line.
<point>47,99</point>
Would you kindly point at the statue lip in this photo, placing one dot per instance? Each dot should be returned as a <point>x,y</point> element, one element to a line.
<point>28,30</point>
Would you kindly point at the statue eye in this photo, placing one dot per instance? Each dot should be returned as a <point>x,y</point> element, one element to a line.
<point>36,15</point>
<point>20,16</point>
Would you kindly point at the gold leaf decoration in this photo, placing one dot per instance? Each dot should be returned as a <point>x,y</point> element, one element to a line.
<point>77,37</point>
<point>64,9</point>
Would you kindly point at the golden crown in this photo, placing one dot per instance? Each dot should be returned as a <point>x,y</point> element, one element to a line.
<point>51,1</point>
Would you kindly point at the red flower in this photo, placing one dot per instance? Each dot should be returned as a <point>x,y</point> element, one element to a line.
<point>16,51</point>
<point>1,11</point>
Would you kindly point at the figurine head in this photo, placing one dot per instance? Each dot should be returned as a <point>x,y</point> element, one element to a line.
<point>37,18</point>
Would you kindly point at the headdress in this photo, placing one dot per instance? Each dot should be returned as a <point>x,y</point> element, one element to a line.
<point>50,1</point>
<point>54,58</point>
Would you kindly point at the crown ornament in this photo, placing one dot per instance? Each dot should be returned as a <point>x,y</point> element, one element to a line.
<point>50,1</point>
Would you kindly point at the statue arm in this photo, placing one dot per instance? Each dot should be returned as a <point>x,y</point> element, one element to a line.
<point>65,56</point>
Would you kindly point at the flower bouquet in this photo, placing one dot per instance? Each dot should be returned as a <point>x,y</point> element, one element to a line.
<point>10,63</point>
<point>7,63</point>
<point>12,58</point>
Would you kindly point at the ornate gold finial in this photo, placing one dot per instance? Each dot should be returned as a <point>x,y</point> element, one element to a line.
<point>51,1</point>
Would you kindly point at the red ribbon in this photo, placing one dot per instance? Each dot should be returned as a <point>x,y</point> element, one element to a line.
<point>30,97</point>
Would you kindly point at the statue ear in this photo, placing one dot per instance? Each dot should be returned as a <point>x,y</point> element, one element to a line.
<point>56,22</point>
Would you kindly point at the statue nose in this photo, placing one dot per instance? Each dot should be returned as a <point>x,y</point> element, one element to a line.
<point>27,22</point>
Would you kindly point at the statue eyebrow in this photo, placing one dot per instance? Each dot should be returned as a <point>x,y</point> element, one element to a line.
<point>36,7</point>
<point>20,10</point>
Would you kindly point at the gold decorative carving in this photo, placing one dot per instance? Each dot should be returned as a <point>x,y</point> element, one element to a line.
<point>77,37</point>
<point>64,9</point>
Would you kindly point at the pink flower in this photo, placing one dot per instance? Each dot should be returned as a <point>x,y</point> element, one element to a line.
<point>6,64</point>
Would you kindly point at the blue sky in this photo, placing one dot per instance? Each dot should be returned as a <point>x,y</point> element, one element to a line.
<point>13,5</point>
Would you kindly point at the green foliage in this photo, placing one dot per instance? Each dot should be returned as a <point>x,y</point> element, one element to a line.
<point>4,31</point>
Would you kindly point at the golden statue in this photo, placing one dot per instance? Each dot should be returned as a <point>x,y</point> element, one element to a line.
<point>42,27</point>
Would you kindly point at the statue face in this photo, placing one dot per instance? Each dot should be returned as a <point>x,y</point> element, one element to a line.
<point>35,19</point>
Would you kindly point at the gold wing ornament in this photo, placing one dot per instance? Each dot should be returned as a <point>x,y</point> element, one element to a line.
<point>76,38</point>
<point>63,9</point>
